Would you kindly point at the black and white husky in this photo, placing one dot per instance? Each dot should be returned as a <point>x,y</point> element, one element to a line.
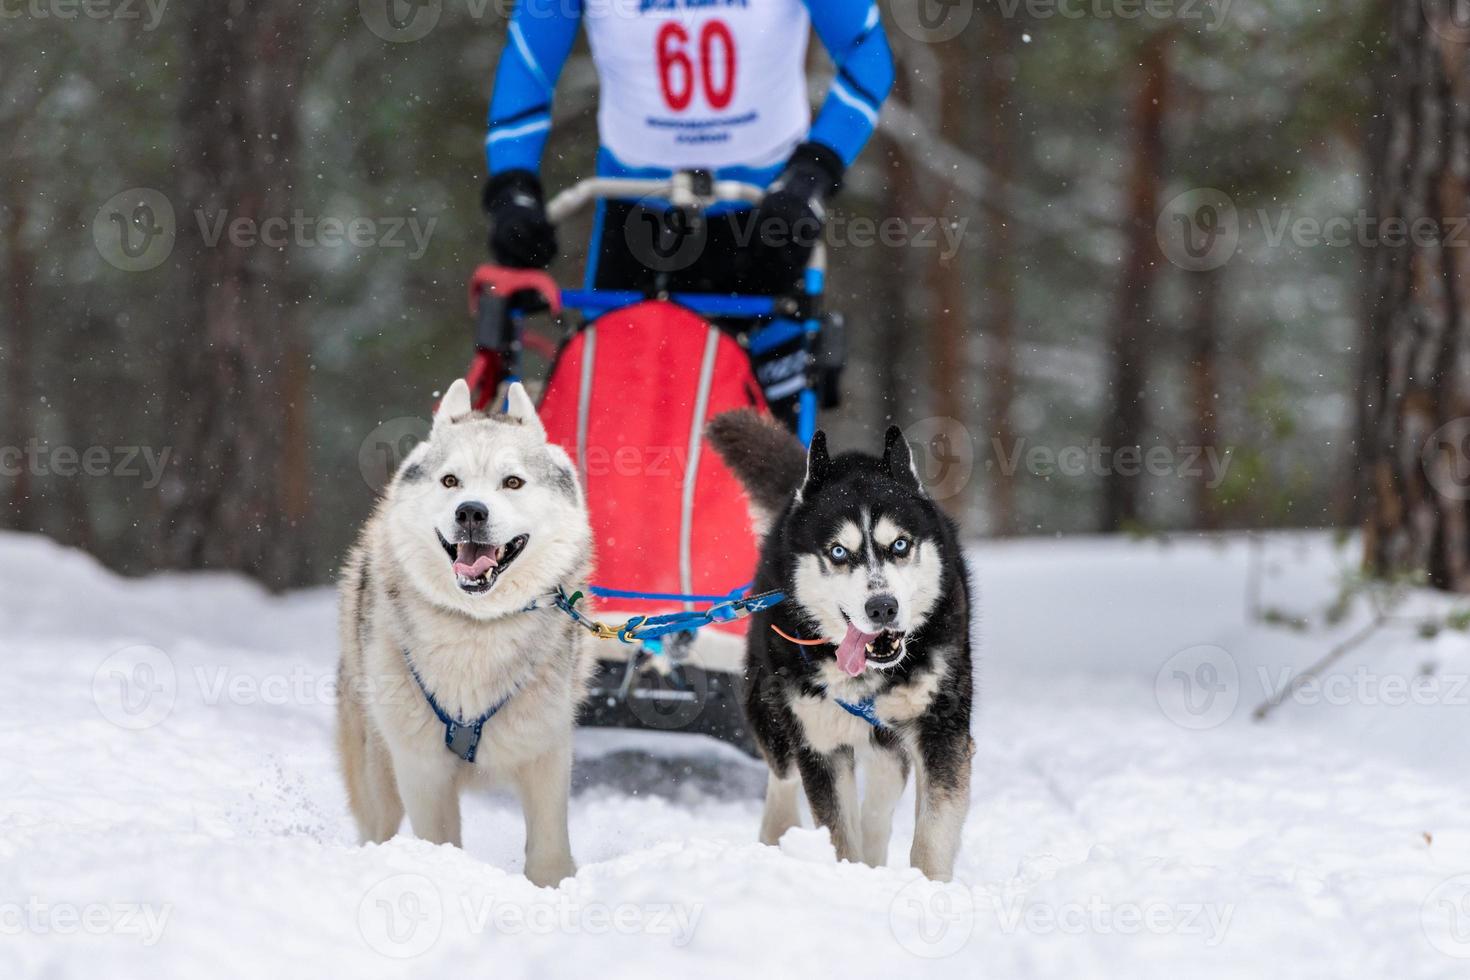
<point>455,670</point>
<point>872,569</point>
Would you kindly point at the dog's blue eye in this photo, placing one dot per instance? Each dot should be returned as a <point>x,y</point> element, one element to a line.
<point>838,553</point>
<point>901,546</point>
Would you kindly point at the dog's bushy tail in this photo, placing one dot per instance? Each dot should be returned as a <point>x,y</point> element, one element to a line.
<point>767,459</point>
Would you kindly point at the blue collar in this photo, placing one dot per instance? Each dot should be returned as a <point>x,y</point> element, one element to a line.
<point>863,709</point>
<point>460,737</point>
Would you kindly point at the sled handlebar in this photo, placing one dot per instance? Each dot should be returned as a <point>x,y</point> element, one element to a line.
<point>685,189</point>
<point>694,190</point>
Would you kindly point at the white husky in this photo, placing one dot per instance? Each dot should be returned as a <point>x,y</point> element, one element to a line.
<point>455,668</point>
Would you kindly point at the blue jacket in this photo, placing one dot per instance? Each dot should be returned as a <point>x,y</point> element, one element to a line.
<point>540,37</point>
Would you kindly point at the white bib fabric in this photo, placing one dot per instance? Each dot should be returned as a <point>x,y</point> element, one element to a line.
<point>700,83</point>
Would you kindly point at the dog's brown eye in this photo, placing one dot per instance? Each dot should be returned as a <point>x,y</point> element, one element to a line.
<point>513,483</point>
<point>450,480</point>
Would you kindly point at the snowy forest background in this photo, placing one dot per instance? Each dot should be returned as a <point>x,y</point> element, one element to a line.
<point>1072,144</point>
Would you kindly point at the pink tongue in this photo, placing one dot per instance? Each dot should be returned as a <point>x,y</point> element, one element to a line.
<point>482,565</point>
<point>852,654</point>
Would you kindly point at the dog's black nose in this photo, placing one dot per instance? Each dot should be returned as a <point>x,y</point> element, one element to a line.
<point>882,609</point>
<point>471,514</point>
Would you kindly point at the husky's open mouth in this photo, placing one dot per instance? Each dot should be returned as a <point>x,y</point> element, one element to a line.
<point>859,650</point>
<point>477,566</point>
<point>885,649</point>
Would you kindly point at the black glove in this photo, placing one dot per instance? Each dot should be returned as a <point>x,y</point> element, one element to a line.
<point>789,220</point>
<point>520,234</point>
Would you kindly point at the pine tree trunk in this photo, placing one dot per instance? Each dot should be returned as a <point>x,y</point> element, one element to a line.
<point>1204,385</point>
<point>894,288</point>
<point>1132,332</point>
<point>236,497</point>
<point>999,315</point>
<point>1417,436</point>
<point>21,510</point>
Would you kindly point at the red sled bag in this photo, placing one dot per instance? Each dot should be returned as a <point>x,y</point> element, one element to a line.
<point>628,398</point>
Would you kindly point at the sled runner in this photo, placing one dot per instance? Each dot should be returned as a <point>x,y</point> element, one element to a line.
<point>633,383</point>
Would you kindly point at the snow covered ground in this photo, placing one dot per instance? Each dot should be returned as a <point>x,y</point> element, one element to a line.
<point>170,807</point>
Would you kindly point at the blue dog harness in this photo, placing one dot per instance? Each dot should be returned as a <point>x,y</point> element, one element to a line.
<point>460,737</point>
<point>863,709</point>
<point>463,737</point>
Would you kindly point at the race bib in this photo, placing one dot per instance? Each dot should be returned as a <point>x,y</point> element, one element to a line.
<point>700,83</point>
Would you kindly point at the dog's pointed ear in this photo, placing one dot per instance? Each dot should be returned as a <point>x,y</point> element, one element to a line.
<point>454,404</point>
<point>818,464</point>
<point>518,405</point>
<point>898,461</point>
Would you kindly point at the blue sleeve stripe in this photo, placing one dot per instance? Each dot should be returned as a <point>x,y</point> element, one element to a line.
<point>542,109</point>
<point>856,88</point>
<point>847,98</point>
<point>852,33</point>
<point>496,135</point>
<point>524,49</point>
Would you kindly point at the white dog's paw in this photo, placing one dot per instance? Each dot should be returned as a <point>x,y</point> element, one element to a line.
<point>552,872</point>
